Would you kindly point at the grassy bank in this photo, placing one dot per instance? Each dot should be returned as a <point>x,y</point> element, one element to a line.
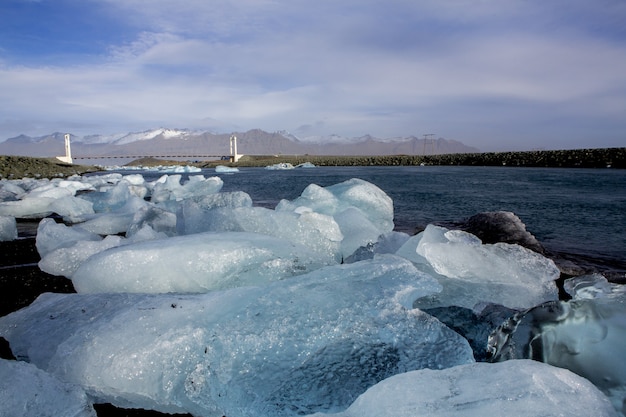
<point>16,167</point>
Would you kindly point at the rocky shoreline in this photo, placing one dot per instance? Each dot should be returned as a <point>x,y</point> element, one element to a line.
<point>15,167</point>
<point>577,158</point>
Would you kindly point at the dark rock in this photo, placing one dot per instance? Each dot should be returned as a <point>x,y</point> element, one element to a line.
<point>502,226</point>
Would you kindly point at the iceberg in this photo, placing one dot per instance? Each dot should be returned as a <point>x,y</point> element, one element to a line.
<point>27,208</point>
<point>52,235</point>
<point>27,391</point>
<point>578,335</point>
<point>362,210</point>
<point>168,187</point>
<point>194,263</point>
<point>72,209</point>
<point>473,273</point>
<point>305,165</point>
<point>307,344</point>
<point>520,388</point>
<point>280,166</point>
<point>318,232</point>
<point>223,169</point>
<point>8,228</point>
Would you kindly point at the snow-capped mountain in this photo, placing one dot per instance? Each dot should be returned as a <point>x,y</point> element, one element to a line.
<point>124,138</point>
<point>164,141</point>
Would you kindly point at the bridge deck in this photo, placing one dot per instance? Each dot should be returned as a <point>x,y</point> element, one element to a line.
<point>147,156</point>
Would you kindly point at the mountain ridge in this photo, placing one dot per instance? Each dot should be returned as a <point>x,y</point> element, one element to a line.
<point>166,141</point>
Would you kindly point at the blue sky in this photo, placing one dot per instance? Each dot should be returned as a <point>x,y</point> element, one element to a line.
<point>494,74</point>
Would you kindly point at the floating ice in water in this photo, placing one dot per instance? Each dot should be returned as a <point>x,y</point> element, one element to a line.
<point>520,388</point>
<point>194,263</point>
<point>169,187</point>
<point>585,335</point>
<point>8,228</point>
<point>305,344</point>
<point>280,166</point>
<point>157,168</point>
<point>223,169</point>
<point>27,391</point>
<point>473,273</point>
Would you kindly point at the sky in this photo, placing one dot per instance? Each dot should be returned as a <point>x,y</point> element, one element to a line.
<point>494,74</point>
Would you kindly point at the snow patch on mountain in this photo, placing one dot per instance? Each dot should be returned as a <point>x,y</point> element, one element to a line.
<point>151,134</point>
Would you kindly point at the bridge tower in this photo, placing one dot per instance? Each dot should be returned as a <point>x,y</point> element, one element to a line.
<point>68,151</point>
<point>234,156</point>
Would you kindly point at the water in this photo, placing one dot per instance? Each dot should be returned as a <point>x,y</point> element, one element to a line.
<point>572,211</point>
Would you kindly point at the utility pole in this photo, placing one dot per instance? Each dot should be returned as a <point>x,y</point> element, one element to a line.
<point>428,138</point>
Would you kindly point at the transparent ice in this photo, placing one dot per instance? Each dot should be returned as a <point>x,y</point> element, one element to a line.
<point>306,344</point>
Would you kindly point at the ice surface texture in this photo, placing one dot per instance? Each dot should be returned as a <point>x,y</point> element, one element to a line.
<point>194,263</point>
<point>585,335</point>
<point>27,391</point>
<point>306,344</point>
<point>8,228</point>
<point>473,273</point>
<point>519,388</point>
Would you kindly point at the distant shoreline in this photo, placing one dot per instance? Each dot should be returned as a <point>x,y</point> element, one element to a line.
<point>16,167</point>
<point>578,158</point>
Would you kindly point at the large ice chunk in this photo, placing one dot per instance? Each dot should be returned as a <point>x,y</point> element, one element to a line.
<point>50,190</point>
<point>108,199</point>
<point>194,263</point>
<point>306,344</point>
<point>10,190</point>
<point>52,235</point>
<point>27,208</point>
<point>585,335</point>
<point>27,391</point>
<point>72,209</point>
<point>169,187</point>
<point>64,261</point>
<point>473,273</point>
<point>362,210</point>
<point>8,228</point>
<point>519,388</point>
<point>195,215</point>
<point>117,220</point>
<point>319,232</point>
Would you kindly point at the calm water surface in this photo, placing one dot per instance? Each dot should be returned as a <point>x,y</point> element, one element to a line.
<point>576,211</point>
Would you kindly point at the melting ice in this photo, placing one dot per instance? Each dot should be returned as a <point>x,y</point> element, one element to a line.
<point>194,300</point>
<point>311,343</point>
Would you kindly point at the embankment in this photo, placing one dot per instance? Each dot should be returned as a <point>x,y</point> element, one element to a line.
<point>576,158</point>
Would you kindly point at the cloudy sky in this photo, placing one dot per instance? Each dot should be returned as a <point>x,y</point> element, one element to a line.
<point>494,74</point>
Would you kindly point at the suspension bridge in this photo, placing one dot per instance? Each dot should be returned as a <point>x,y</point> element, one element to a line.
<point>69,159</point>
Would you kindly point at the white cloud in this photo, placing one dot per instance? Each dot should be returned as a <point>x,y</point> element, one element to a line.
<point>387,68</point>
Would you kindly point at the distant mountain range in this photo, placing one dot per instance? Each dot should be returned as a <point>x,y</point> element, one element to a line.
<point>171,142</point>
